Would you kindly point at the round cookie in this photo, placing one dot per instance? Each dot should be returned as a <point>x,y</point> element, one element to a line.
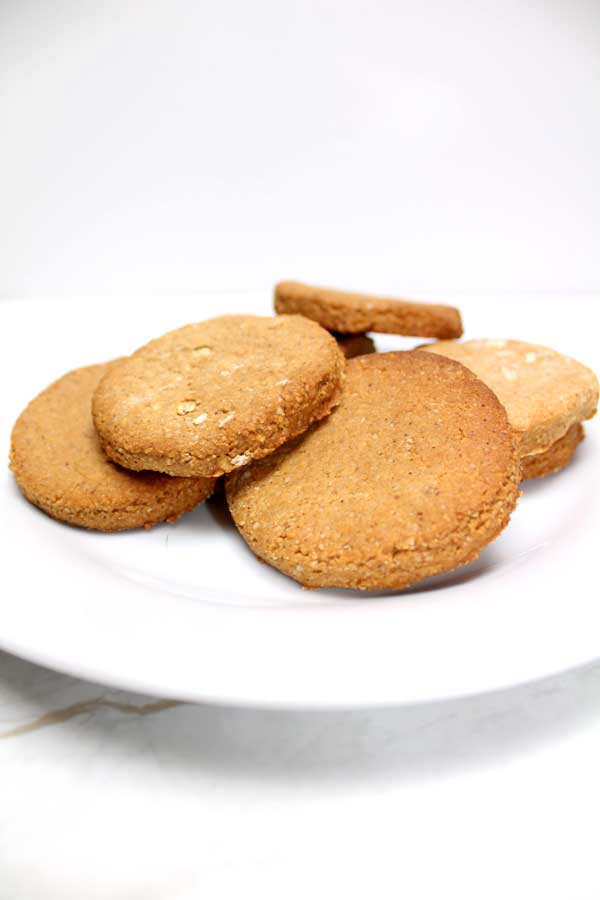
<point>352,313</point>
<point>208,398</point>
<point>544,392</point>
<point>555,458</point>
<point>59,465</point>
<point>353,345</point>
<point>412,475</point>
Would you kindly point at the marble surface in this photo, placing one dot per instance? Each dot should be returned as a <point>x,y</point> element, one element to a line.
<point>105,794</point>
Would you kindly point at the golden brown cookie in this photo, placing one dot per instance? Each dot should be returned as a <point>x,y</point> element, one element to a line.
<point>412,475</point>
<point>544,392</point>
<point>353,345</point>
<point>352,313</point>
<point>58,464</point>
<point>208,398</point>
<point>555,458</point>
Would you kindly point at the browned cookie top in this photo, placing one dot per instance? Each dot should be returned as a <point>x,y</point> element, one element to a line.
<point>352,313</point>
<point>58,463</point>
<point>412,474</point>
<point>208,398</point>
<point>544,392</point>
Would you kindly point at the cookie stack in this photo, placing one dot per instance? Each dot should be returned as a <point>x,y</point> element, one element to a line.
<point>546,395</point>
<point>343,467</point>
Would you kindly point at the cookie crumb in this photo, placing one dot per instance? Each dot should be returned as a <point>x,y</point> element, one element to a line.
<point>185,407</point>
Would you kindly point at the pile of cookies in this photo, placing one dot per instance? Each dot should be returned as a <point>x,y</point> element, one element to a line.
<point>343,467</point>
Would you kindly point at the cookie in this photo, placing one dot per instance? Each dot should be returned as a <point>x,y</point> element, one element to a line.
<point>352,313</point>
<point>209,398</point>
<point>412,475</point>
<point>353,345</point>
<point>555,458</point>
<point>59,465</point>
<point>544,392</point>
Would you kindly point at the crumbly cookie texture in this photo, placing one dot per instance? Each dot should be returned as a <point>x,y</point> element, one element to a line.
<point>412,475</point>
<point>59,465</point>
<point>353,345</point>
<point>209,398</point>
<point>352,313</point>
<point>544,392</point>
<point>555,458</point>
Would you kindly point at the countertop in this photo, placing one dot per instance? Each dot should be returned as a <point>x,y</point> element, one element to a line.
<point>106,794</point>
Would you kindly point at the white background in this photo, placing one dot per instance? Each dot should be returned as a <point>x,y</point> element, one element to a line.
<point>172,145</point>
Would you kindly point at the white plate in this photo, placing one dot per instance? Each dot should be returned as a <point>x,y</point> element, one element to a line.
<point>186,611</point>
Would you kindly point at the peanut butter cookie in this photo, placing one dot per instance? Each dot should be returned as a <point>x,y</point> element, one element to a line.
<point>209,398</point>
<point>353,345</point>
<point>412,475</point>
<point>555,458</point>
<point>544,392</point>
<point>59,465</point>
<point>352,313</point>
